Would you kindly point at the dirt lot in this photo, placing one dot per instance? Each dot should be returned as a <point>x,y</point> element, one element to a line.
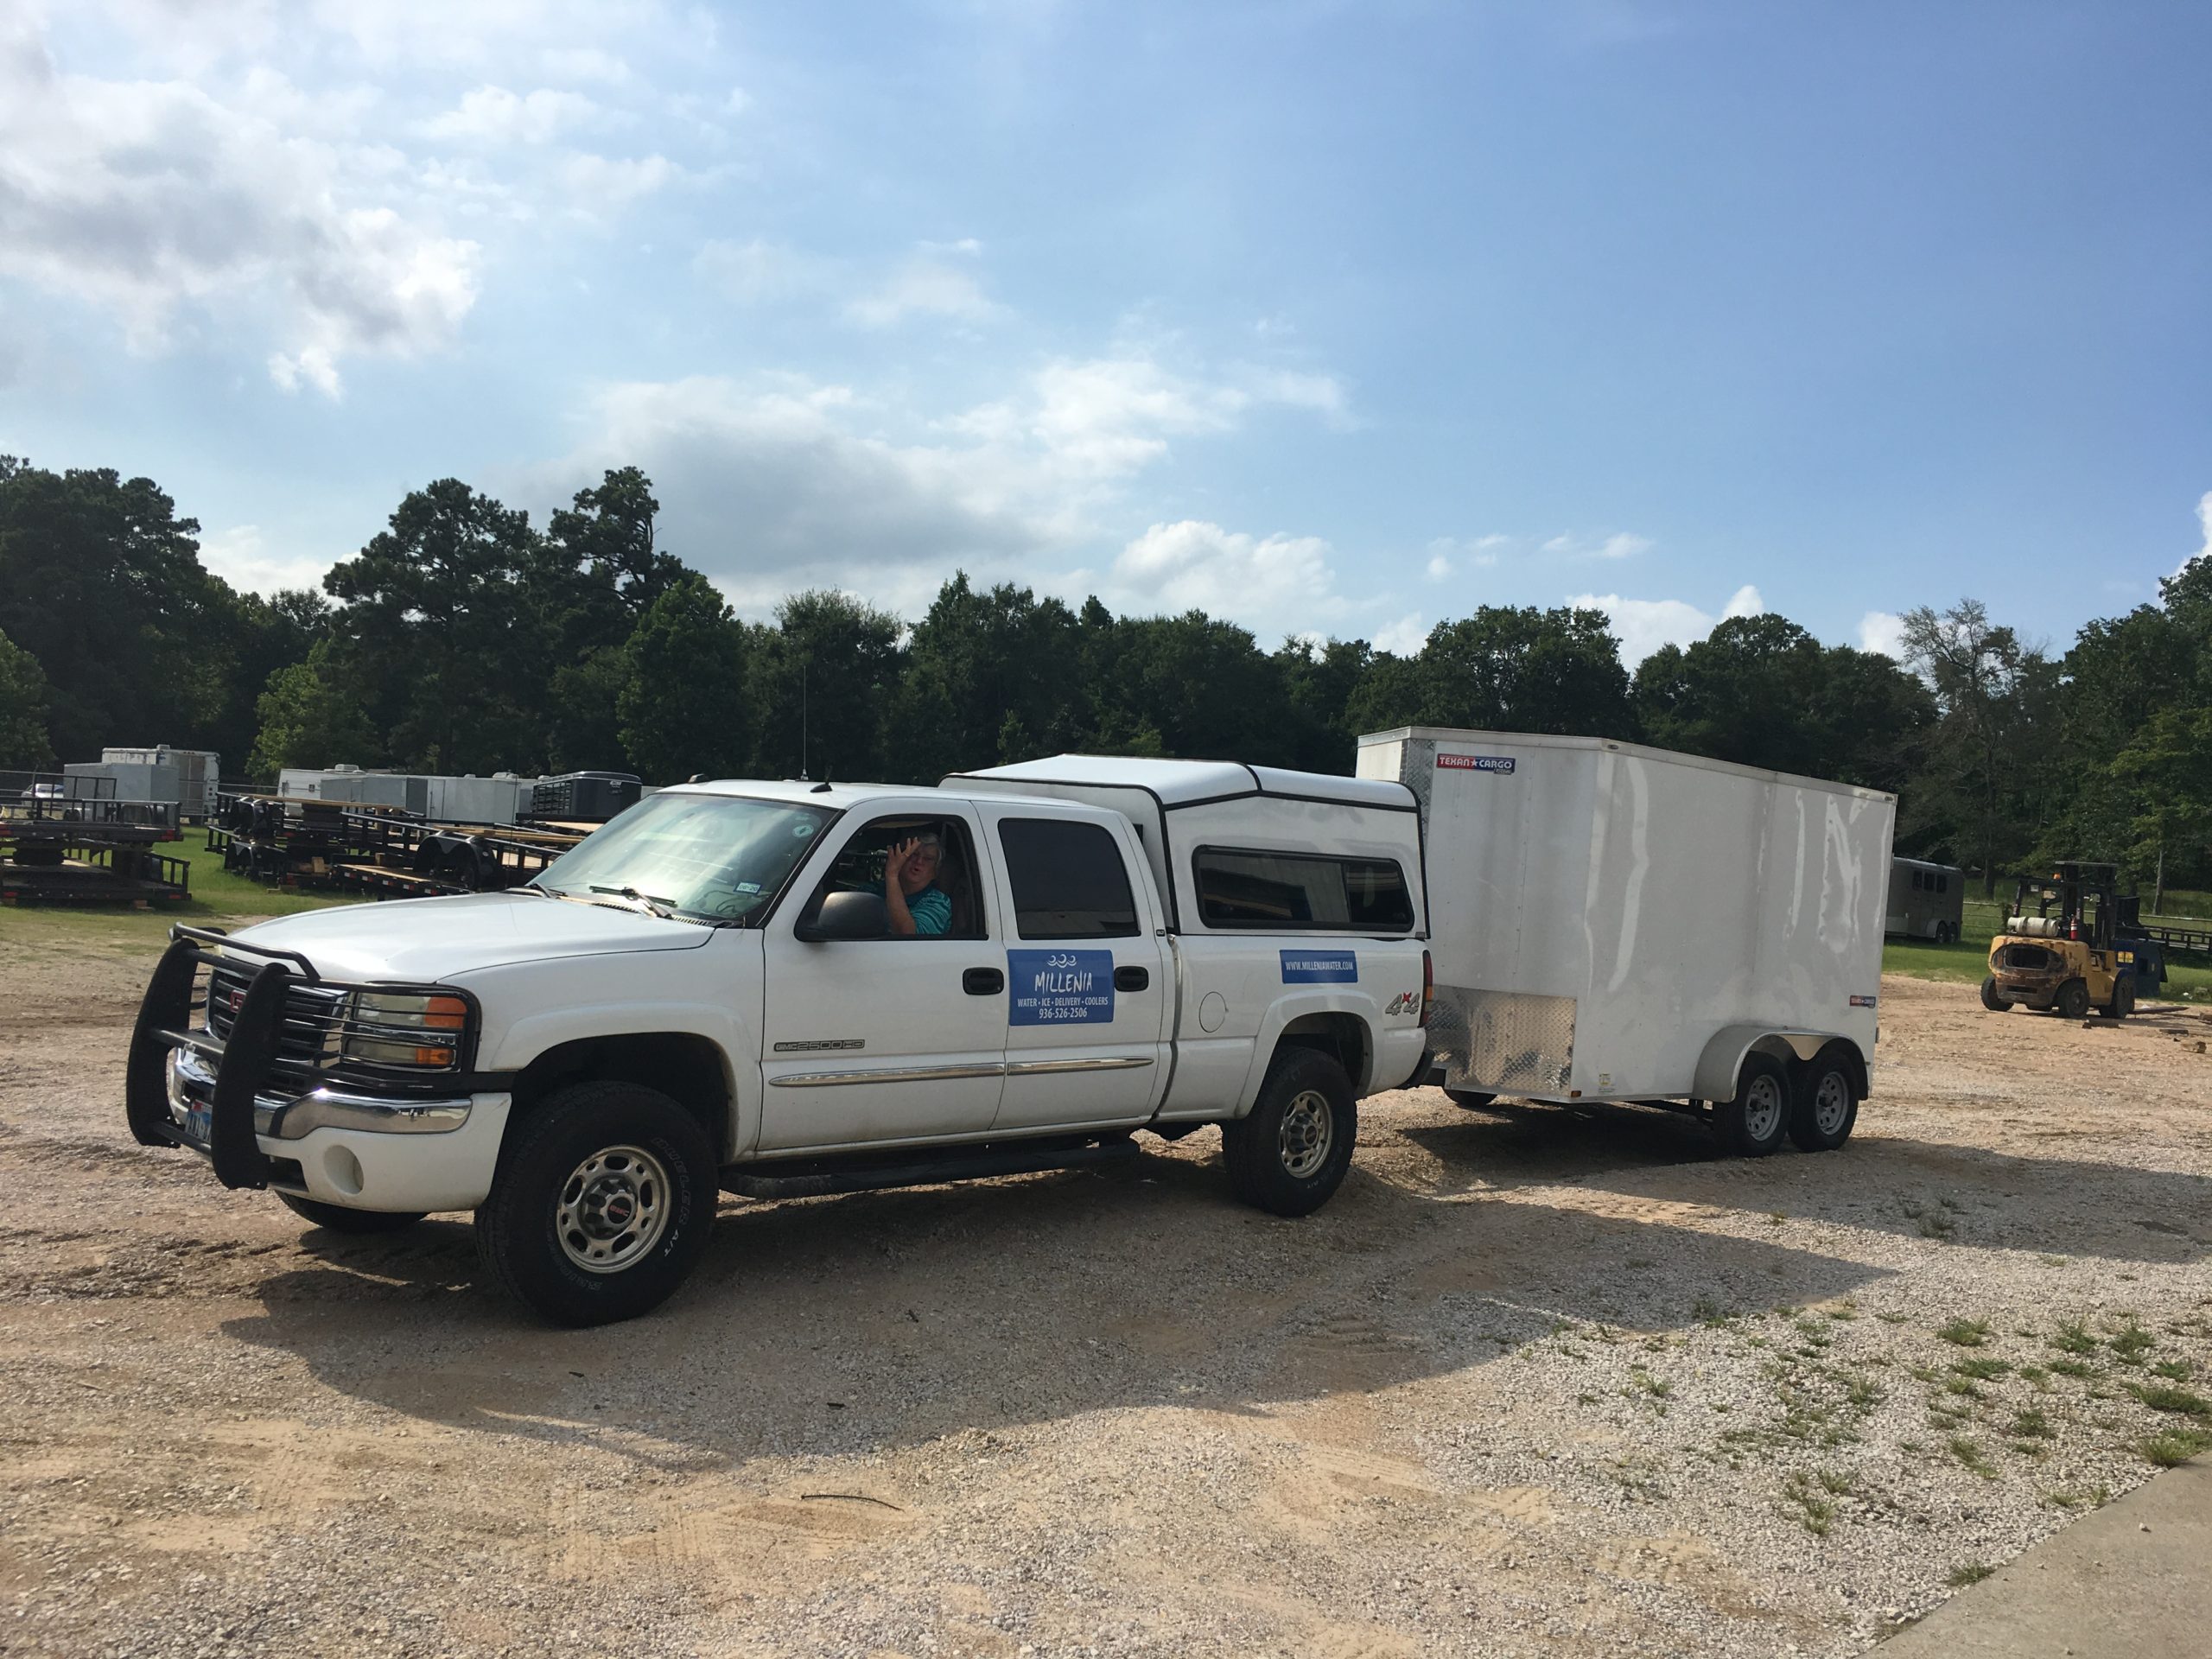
<point>1534,1381</point>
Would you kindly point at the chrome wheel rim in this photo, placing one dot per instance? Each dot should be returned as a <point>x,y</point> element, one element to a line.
<point>612,1209</point>
<point>1762,1107</point>
<point>1308,1130</point>
<point>1831,1103</point>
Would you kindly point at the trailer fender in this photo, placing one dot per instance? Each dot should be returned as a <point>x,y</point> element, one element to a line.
<point>1723,1058</point>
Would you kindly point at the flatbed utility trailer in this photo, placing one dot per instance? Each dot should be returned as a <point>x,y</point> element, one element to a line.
<point>1615,923</point>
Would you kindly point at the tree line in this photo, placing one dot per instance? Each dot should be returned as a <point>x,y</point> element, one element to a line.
<point>463,638</point>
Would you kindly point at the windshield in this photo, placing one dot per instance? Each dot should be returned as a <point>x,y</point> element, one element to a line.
<point>717,858</point>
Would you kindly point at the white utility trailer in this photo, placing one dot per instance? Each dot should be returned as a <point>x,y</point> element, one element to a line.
<point>1615,923</point>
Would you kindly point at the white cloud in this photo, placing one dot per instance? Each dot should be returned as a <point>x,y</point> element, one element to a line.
<point>1621,544</point>
<point>1439,567</point>
<point>1882,632</point>
<point>1193,564</point>
<point>1644,625</point>
<point>925,285</point>
<point>605,182</point>
<point>762,273</point>
<point>2204,528</point>
<point>586,63</point>
<point>1446,553</point>
<point>240,557</point>
<point>167,207</point>
<point>1404,638</point>
<point>495,116</point>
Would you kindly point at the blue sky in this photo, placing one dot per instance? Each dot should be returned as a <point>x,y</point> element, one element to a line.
<point>1332,319</point>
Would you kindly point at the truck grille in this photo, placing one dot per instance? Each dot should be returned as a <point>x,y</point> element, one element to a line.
<point>314,1020</point>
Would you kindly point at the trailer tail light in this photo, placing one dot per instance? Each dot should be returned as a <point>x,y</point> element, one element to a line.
<point>1427,989</point>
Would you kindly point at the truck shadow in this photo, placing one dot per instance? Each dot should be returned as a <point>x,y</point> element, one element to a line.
<point>883,1320</point>
<point>1935,1190</point>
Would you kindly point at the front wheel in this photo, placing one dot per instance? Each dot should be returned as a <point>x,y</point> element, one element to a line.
<point>1758,1119</point>
<point>602,1205</point>
<point>1990,999</point>
<point>2123,1000</point>
<point>1945,933</point>
<point>2073,1000</point>
<point>1291,1152</point>
<point>339,1219</point>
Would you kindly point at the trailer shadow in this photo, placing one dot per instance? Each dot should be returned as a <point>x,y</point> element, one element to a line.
<point>883,1320</point>
<point>1937,1191</point>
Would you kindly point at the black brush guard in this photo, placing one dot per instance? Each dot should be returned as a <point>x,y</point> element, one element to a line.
<point>242,1058</point>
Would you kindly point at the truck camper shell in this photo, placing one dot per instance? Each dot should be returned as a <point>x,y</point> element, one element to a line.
<point>1185,808</point>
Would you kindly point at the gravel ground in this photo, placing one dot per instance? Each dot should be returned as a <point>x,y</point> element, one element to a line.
<point>1535,1381</point>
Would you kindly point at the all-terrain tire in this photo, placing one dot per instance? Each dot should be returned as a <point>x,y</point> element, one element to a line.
<point>602,1205</point>
<point>1990,999</point>
<point>339,1219</point>
<point>1758,1119</point>
<point>2072,1001</point>
<point>1291,1152</point>
<point>1472,1100</point>
<point>1827,1104</point>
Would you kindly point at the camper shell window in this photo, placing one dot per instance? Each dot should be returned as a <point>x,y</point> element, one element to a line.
<point>1241,887</point>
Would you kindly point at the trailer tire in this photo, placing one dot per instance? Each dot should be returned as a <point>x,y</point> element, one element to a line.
<point>1470,1100</point>
<point>1290,1154</point>
<point>1944,933</point>
<point>2072,1001</point>
<point>602,1205</point>
<point>1826,1105</point>
<point>1757,1120</point>
<point>1991,999</point>
<point>339,1219</point>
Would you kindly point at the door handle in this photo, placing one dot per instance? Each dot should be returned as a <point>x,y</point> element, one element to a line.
<point>982,982</point>
<point>1130,978</point>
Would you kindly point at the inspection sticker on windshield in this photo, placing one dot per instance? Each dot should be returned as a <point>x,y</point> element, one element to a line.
<point>1059,987</point>
<point>1321,968</point>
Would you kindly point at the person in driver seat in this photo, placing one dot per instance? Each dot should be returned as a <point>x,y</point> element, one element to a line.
<point>911,898</point>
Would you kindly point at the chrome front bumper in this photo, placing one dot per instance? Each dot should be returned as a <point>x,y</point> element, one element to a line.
<point>191,1089</point>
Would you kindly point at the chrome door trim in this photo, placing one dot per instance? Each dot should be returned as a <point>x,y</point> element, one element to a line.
<point>890,1074</point>
<point>1100,1063</point>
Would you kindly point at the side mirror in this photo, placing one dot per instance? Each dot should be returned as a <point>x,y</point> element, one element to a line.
<point>846,916</point>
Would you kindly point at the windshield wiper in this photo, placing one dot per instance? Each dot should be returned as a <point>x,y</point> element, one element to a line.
<point>664,908</point>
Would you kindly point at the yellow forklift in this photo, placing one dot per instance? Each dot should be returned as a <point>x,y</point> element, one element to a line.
<point>2071,944</point>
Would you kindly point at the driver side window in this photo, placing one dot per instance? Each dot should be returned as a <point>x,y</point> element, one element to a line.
<point>950,892</point>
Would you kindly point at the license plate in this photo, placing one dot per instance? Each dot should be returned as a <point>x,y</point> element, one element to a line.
<point>199,1124</point>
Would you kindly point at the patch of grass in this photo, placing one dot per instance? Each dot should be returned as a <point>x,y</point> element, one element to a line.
<point>2174,1370</point>
<point>2079,1369</point>
<point>2073,1340</point>
<point>1892,1319</point>
<point>2165,1397</point>
<point>2030,1424</point>
<point>1658,1387</point>
<point>1983,1368</point>
<point>1814,1512</point>
<point>1934,1226</point>
<point>1845,1309</point>
<point>1969,1572</point>
<point>1970,1453</point>
<point>2066,1498</point>
<point>1861,1394</point>
<point>2130,1344</point>
<point>1965,1333</point>
<point>2175,1446</point>
<point>2053,1260</point>
<point>1837,1481</point>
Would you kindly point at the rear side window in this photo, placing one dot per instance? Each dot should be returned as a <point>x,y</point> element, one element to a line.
<point>1068,879</point>
<point>1298,891</point>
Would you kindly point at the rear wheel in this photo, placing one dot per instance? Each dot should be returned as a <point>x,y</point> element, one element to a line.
<point>1826,1105</point>
<point>1990,999</point>
<point>602,1205</point>
<point>1472,1100</point>
<point>339,1219</point>
<point>1758,1119</point>
<point>2073,1000</point>
<point>1291,1152</point>
<point>1945,933</point>
<point>2123,999</point>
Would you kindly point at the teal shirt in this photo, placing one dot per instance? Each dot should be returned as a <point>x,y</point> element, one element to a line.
<point>932,911</point>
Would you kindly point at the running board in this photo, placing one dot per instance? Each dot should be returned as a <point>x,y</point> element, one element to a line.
<point>818,1177</point>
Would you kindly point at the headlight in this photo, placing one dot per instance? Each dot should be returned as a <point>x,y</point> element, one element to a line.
<point>389,1028</point>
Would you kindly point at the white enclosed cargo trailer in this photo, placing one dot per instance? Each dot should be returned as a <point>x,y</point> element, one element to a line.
<point>198,774</point>
<point>1615,923</point>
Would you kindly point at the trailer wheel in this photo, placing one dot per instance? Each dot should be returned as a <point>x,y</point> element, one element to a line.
<point>1990,999</point>
<point>339,1219</point>
<point>1291,1152</point>
<point>1472,1100</point>
<point>2123,999</point>
<point>1826,1105</point>
<point>1758,1119</point>
<point>602,1205</point>
<point>2073,1000</point>
<point>1945,933</point>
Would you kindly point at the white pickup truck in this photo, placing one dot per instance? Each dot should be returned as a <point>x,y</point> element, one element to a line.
<point>709,992</point>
